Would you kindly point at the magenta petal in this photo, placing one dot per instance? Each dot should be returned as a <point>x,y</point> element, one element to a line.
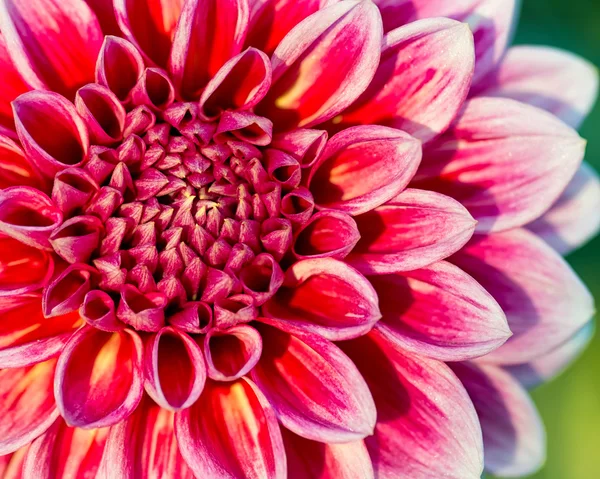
<point>505,161</point>
<point>261,278</point>
<point>29,216</point>
<point>195,317</point>
<point>12,85</point>
<point>244,126</point>
<point>66,292</point>
<point>99,377</point>
<point>544,301</point>
<point>440,312</point>
<point>53,135</point>
<point>76,239</point>
<point>231,431</point>
<point>297,206</point>
<point>102,112</point>
<point>363,167</point>
<point>314,388</point>
<point>54,43</point>
<point>232,353</point>
<point>174,368</point>
<point>426,424</point>
<point>73,190</point>
<point>513,433</point>
<point>145,312</point>
<point>323,64</point>
<point>303,144</point>
<point>327,297</point>
<point>154,89</point>
<point>98,310</point>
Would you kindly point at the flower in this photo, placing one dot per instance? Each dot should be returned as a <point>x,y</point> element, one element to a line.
<point>268,239</point>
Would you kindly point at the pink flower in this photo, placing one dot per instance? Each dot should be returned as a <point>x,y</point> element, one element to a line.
<point>272,238</point>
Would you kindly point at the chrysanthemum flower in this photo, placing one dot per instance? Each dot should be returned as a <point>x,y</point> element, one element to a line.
<point>281,238</point>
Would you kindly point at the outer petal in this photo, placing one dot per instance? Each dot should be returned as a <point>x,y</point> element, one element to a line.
<point>314,388</point>
<point>231,432</point>
<point>506,162</point>
<point>554,80</point>
<point>99,377</point>
<point>23,268</point>
<point>440,312</point>
<point>54,43</point>
<point>316,460</point>
<point>327,297</point>
<point>323,64</point>
<point>513,433</point>
<point>12,85</point>
<point>27,405</point>
<point>426,425</point>
<point>64,451</point>
<point>11,465</point>
<point>105,12</point>
<point>363,167</point>
<point>573,220</point>
<point>412,230</point>
<point>15,169</point>
<point>209,33</point>
<point>544,301</point>
<point>422,80</point>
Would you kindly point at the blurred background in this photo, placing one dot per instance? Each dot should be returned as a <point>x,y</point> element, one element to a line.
<point>570,405</point>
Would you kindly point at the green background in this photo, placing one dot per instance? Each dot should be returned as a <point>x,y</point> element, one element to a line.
<point>570,405</point>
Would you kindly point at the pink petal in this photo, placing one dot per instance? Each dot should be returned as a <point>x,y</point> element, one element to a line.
<point>261,278</point>
<point>53,135</point>
<point>195,317</point>
<point>303,144</point>
<point>314,388</point>
<point>426,425</point>
<point>54,43</point>
<point>506,162</point>
<point>73,190</point>
<point>98,310</point>
<point>105,13</point>
<point>363,167</point>
<point>244,126</point>
<point>573,219</point>
<point>102,112</point>
<point>412,230</point>
<point>513,433</point>
<point>11,465</point>
<point>99,377</point>
<point>12,85</point>
<point>154,89</point>
<point>231,353</point>
<point>231,431</point>
<point>29,413</point>
<point>327,297</point>
<point>76,239</point>
<point>24,268</point>
<point>64,451</point>
<point>544,300</point>
<point>440,312</point>
<point>323,64</point>
<point>175,369</point>
<point>29,216</point>
<point>15,169</point>
<point>298,206</point>
<point>66,292</point>
<point>145,312</point>
<point>208,34</point>
<point>422,81</point>
<point>554,80</point>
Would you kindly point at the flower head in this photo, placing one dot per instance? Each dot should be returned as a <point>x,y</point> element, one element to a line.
<point>243,238</point>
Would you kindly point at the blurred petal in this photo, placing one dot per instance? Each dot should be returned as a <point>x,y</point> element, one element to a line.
<point>11,465</point>
<point>11,85</point>
<point>105,12</point>
<point>15,168</point>
<point>23,268</point>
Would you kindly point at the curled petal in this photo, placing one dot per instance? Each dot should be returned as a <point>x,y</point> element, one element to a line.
<point>297,206</point>
<point>102,112</point>
<point>261,278</point>
<point>175,369</point>
<point>76,239</point>
<point>244,126</point>
<point>412,230</point>
<point>15,169</point>
<point>154,89</point>
<point>51,131</point>
<point>314,388</point>
<point>327,297</point>
<point>54,43</point>
<point>98,310</point>
<point>323,64</point>
<point>303,144</point>
<point>231,431</point>
<point>232,353</point>
<point>66,292</point>
<point>195,317</point>
<point>276,236</point>
<point>145,312</point>
<point>544,301</point>
<point>22,267</point>
<point>73,190</point>
<point>99,377</point>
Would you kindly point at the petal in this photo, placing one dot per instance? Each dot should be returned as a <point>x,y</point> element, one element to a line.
<point>423,79</point>
<point>175,369</point>
<point>439,312</point>
<point>98,310</point>
<point>53,135</point>
<point>66,292</point>
<point>303,144</point>
<point>105,12</point>
<point>208,34</point>
<point>323,64</point>
<point>505,161</point>
<point>573,220</point>
<point>102,112</point>
<point>363,167</point>
<point>327,297</point>
<point>232,353</point>
<point>261,278</point>
<point>15,169</point>
<point>73,190</point>
<point>231,431</point>
<point>11,465</point>
<point>426,424</point>
<point>313,387</point>
<point>316,460</point>
<point>99,377</point>
<point>22,267</point>
<point>555,80</point>
<point>544,301</point>
<point>64,451</point>
<point>12,85</point>
<point>154,89</point>
<point>120,65</point>
<point>27,405</point>
<point>412,230</point>
<point>76,239</point>
<point>54,43</point>
<point>513,433</point>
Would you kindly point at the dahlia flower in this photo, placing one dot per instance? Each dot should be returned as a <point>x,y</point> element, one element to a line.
<point>281,238</point>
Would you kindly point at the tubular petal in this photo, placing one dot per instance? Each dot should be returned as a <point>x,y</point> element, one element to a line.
<point>119,66</point>
<point>72,191</point>
<point>327,297</point>
<point>76,239</point>
<point>99,377</point>
<point>231,431</point>
<point>313,387</point>
<point>102,112</point>
<point>66,292</point>
<point>261,278</point>
<point>328,234</point>
<point>232,353</point>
